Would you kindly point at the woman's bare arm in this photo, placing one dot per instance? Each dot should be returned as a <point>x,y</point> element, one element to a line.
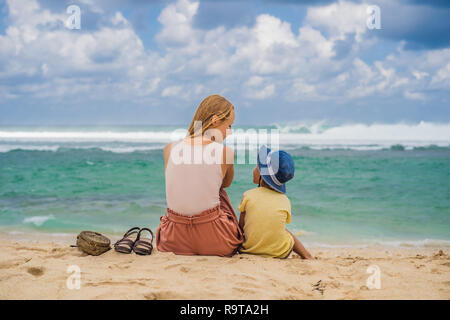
<point>166,154</point>
<point>227,167</point>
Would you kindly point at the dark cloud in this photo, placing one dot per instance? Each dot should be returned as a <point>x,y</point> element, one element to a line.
<point>421,27</point>
<point>303,2</point>
<point>422,24</point>
<point>433,3</point>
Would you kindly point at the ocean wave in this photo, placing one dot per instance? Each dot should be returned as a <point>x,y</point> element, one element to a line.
<point>82,136</point>
<point>422,131</point>
<point>316,136</point>
<point>38,220</point>
<point>131,149</point>
<point>310,239</point>
<point>424,243</point>
<point>413,243</point>
<point>60,148</point>
<point>254,147</point>
<point>7,148</point>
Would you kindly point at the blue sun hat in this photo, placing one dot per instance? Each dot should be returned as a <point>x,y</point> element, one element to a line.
<point>275,167</point>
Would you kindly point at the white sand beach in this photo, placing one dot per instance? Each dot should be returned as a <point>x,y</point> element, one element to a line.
<point>31,269</point>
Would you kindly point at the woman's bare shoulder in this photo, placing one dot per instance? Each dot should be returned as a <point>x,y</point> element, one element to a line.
<point>228,149</point>
<point>228,155</point>
<point>168,146</point>
<point>167,149</point>
<point>166,153</point>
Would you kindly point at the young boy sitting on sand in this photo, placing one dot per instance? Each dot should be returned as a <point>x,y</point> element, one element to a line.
<point>265,210</point>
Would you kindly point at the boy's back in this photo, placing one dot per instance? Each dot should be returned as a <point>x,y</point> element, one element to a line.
<point>266,215</point>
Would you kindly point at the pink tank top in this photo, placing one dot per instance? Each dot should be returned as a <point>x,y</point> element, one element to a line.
<point>193,177</point>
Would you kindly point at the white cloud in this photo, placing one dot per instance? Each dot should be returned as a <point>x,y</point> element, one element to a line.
<point>303,90</point>
<point>44,69</point>
<point>259,88</point>
<point>177,22</point>
<point>171,91</point>
<point>442,78</point>
<point>259,61</point>
<point>35,33</point>
<point>420,75</point>
<point>118,19</point>
<point>340,18</point>
<point>414,95</point>
<point>255,81</point>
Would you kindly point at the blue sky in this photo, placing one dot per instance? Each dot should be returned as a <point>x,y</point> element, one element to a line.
<point>152,62</point>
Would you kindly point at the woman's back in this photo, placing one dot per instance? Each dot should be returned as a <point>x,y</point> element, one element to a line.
<point>200,219</point>
<point>192,181</point>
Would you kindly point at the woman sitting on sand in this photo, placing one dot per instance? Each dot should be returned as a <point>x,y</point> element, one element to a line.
<point>200,219</point>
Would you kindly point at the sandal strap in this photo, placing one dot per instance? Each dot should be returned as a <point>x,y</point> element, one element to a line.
<point>143,243</point>
<point>145,229</point>
<point>131,231</point>
<point>125,241</point>
<point>143,251</point>
<point>127,234</point>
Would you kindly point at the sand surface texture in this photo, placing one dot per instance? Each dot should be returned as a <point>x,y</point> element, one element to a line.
<point>39,270</point>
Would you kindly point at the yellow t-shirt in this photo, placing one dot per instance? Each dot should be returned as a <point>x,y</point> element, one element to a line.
<point>266,214</point>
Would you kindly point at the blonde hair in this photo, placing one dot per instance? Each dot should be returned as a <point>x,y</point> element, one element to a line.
<point>213,105</point>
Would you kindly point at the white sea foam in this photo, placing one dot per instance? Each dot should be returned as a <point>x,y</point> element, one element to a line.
<point>8,147</point>
<point>361,243</point>
<point>131,149</point>
<point>422,131</point>
<point>82,136</point>
<point>16,233</point>
<point>413,243</point>
<point>313,145</point>
<point>366,137</point>
<point>38,220</point>
<point>314,136</point>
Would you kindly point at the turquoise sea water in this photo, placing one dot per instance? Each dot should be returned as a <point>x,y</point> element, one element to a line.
<point>64,180</point>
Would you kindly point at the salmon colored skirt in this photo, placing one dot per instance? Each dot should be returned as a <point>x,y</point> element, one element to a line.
<point>213,232</point>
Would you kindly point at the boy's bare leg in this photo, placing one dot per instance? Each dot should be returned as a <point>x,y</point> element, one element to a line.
<point>299,248</point>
